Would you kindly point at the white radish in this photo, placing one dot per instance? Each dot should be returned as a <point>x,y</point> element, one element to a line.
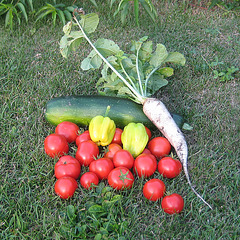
<point>156,111</point>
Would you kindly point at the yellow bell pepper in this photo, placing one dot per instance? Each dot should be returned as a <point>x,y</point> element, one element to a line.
<point>102,130</point>
<point>134,138</point>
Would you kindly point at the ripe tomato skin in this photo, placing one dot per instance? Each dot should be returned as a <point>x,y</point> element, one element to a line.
<point>117,136</point>
<point>169,167</point>
<point>102,167</point>
<point>173,203</point>
<point>55,145</point>
<point>154,189</point>
<point>65,187</point>
<point>112,149</point>
<point>159,147</point>
<point>85,136</point>
<point>145,165</point>
<point>123,158</point>
<point>86,153</point>
<point>147,151</point>
<point>149,133</point>
<point>67,166</point>
<point>68,129</point>
<point>117,181</point>
<point>89,178</point>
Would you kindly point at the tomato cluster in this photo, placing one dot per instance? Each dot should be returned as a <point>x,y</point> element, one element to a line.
<point>112,163</point>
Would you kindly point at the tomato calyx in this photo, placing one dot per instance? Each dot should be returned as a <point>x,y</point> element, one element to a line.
<point>123,176</point>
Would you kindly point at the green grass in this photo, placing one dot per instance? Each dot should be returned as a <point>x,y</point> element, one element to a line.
<point>32,72</point>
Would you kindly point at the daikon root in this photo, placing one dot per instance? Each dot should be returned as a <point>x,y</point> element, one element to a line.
<point>156,111</point>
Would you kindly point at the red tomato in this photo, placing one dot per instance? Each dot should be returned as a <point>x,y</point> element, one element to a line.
<point>147,151</point>
<point>145,165</point>
<point>88,180</point>
<point>169,167</point>
<point>68,129</point>
<point>149,133</point>
<point>85,136</point>
<point>154,189</point>
<point>112,149</point>
<point>67,166</point>
<point>120,178</point>
<point>117,136</point>
<point>86,153</point>
<point>123,158</point>
<point>173,203</point>
<point>102,167</point>
<point>65,187</point>
<point>55,145</point>
<point>159,147</point>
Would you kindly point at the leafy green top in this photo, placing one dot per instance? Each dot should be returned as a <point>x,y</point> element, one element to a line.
<point>136,75</point>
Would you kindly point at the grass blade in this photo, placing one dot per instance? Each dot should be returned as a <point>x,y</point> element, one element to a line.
<point>136,11</point>
<point>7,18</point>
<point>23,10</point>
<point>124,12</point>
<point>30,3</point>
<point>68,15</point>
<point>54,16</point>
<point>151,12</point>
<point>94,3</point>
<point>61,16</point>
<point>44,14</point>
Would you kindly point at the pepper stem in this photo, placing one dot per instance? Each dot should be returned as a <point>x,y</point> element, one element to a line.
<point>107,111</point>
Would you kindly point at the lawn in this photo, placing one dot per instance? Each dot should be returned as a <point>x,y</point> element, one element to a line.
<point>32,71</point>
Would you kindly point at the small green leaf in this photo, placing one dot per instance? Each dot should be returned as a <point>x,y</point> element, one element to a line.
<point>103,231</point>
<point>123,91</point>
<point>187,127</point>
<point>146,51</point>
<point>113,61</point>
<point>166,71</point>
<point>70,41</point>
<point>67,28</point>
<point>156,82</point>
<point>71,212</point>
<point>70,8</point>
<point>176,57</point>
<point>93,61</point>
<point>159,56</point>
<point>97,211</point>
<point>98,236</point>
<point>105,47</point>
<point>89,22</point>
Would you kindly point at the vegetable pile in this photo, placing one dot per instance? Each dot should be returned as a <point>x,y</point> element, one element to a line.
<point>113,155</point>
<point>136,75</point>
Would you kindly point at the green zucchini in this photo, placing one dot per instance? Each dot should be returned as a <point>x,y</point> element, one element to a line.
<point>81,109</point>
